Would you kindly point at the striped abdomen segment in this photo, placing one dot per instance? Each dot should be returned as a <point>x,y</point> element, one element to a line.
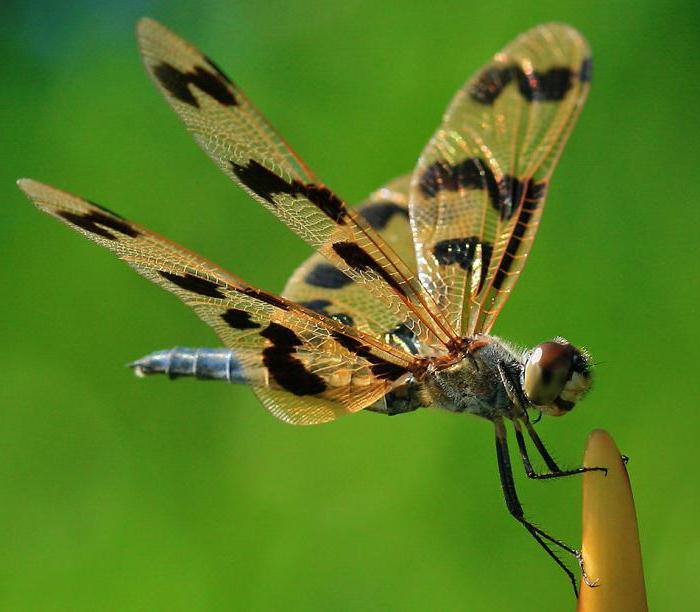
<point>201,363</point>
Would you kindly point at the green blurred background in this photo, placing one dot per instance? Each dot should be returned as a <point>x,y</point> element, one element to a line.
<point>120,494</point>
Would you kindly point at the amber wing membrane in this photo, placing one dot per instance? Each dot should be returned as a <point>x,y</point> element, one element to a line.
<point>306,367</point>
<point>320,286</point>
<point>239,140</point>
<point>478,190</point>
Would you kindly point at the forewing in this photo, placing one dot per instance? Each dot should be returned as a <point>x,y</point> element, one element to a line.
<point>478,190</point>
<point>307,368</point>
<point>249,151</point>
<point>320,286</point>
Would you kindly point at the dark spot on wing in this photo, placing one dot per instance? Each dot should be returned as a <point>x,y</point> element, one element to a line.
<point>534,194</point>
<point>327,276</point>
<point>195,284</point>
<point>379,214</point>
<point>96,221</point>
<point>326,201</point>
<point>586,72</point>
<point>527,189</point>
<point>287,370</point>
<point>178,83</point>
<point>281,336</point>
<point>380,367</point>
<point>262,296</point>
<point>463,251</point>
<point>472,173</point>
<point>489,84</point>
<point>535,86</point>
<point>266,184</point>
<point>239,319</point>
<point>387,371</point>
<point>220,72</point>
<point>550,86</point>
<point>359,259</point>
<point>261,181</point>
<point>321,307</point>
<point>456,250</point>
<point>317,305</point>
<point>105,209</point>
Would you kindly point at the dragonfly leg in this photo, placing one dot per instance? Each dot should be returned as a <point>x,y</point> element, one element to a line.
<point>520,404</point>
<point>555,470</point>
<point>516,510</point>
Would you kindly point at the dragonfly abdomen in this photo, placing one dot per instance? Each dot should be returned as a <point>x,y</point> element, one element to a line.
<point>200,363</point>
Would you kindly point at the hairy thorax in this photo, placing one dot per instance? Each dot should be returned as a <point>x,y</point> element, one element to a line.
<point>474,384</point>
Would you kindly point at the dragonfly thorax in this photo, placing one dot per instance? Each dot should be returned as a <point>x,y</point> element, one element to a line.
<point>475,383</point>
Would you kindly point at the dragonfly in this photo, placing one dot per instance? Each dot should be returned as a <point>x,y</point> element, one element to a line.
<point>394,311</point>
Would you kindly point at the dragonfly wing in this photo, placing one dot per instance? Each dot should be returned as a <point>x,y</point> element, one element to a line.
<point>293,356</point>
<point>478,190</point>
<point>239,140</point>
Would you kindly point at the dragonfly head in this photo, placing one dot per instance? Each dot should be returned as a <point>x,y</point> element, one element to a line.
<point>556,376</point>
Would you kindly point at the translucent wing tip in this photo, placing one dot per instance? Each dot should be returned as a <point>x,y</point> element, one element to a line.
<point>34,190</point>
<point>40,192</point>
<point>56,202</point>
<point>25,184</point>
<point>157,43</point>
<point>148,29</point>
<point>562,31</point>
<point>557,26</point>
<point>146,26</point>
<point>152,34</point>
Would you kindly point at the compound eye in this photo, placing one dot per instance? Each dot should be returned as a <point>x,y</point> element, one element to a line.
<point>547,370</point>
